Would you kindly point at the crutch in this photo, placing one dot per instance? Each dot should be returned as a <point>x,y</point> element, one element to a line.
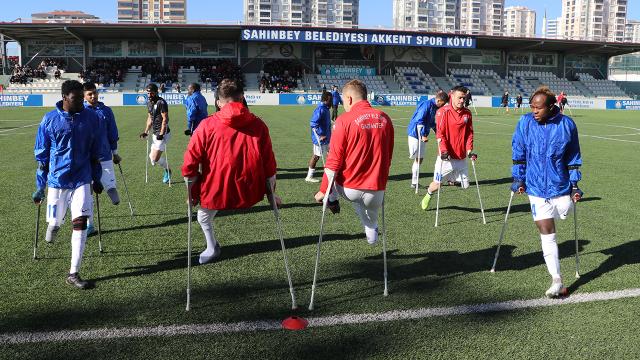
<point>189,216</point>
<point>384,252</point>
<point>276,213</point>
<point>325,201</point>
<point>99,229</point>
<point>439,178</point>
<point>419,128</point>
<point>473,164</point>
<point>575,234</point>
<point>146,165</point>
<point>504,227</point>
<point>35,239</point>
<point>126,190</point>
<point>319,145</point>
<point>166,158</point>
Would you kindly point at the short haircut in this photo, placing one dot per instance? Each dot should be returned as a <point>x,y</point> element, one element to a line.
<point>545,91</point>
<point>326,96</point>
<point>357,87</point>
<point>229,89</point>
<point>195,86</point>
<point>89,86</point>
<point>459,88</point>
<point>70,86</point>
<point>152,88</point>
<point>442,96</point>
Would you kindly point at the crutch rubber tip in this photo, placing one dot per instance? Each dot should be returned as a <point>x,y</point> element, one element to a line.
<point>492,271</point>
<point>577,275</point>
<point>386,293</point>
<point>310,307</point>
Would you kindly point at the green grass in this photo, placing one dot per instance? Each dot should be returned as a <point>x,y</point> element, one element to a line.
<point>140,279</point>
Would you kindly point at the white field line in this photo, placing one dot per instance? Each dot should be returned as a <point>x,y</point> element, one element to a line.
<point>334,320</point>
<point>17,128</point>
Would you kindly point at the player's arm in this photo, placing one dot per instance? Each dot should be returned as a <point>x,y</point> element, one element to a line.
<point>391,134</point>
<point>164,112</point>
<point>269,165</point>
<point>191,164</point>
<point>42,151</point>
<point>191,112</point>
<point>335,158</point>
<point>147,127</point>
<point>519,157</point>
<point>94,158</point>
<point>573,160</point>
<point>441,132</point>
<point>469,142</point>
<point>316,118</point>
<point>113,136</point>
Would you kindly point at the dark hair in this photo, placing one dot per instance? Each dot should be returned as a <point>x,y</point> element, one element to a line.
<point>195,86</point>
<point>544,90</point>
<point>357,86</point>
<point>442,96</point>
<point>152,88</point>
<point>229,89</point>
<point>460,88</point>
<point>70,86</point>
<point>89,86</point>
<point>326,96</point>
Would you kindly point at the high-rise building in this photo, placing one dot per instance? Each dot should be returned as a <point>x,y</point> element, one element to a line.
<point>551,27</point>
<point>430,15</point>
<point>481,16</point>
<point>595,20</point>
<point>152,11</point>
<point>632,31</point>
<point>332,13</point>
<point>519,21</point>
<point>64,16</point>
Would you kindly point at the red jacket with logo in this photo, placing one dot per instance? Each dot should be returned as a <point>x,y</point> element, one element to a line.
<point>234,148</point>
<point>455,129</point>
<point>361,149</point>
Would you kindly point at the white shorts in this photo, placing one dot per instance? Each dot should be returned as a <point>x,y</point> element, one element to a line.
<point>366,202</point>
<point>413,148</point>
<point>452,170</point>
<point>554,208</point>
<point>108,178</point>
<point>160,145</point>
<point>320,150</point>
<point>59,200</point>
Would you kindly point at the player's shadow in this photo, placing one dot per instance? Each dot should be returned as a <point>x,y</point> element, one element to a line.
<point>506,180</point>
<point>220,214</point>
<point>619,256</point>
<point>515,208</point>
<point>229,252</point>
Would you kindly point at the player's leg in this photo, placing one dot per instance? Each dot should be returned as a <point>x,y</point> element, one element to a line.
<point>108,180</point>
<point>205,218</point>
<point>461,172</point>
<point>416,153</point>
<point>318,152</point>
<point>367,204</point>
<point>443,171</point>
<point>543,215</point>
<point>57,203</point>
<point>81,210</point>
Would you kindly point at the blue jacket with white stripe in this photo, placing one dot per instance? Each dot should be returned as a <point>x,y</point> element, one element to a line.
<point>424,115</point>
<point>546,157</point>
<point>196,106</point>
<point>321,123</point>
<point>67,149</point>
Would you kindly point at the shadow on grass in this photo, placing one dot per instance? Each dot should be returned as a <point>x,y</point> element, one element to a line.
<point>621,255</point>
<point>515,208</point>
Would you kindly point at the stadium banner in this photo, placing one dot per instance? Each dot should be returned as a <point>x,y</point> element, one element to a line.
<point>275,51</point>
<point>11,100</point>
<point>398,99</point>
<point>623,104</point>
<point>258,98</point>
<point>141,99</point>
<point>574,103</point>
<point>408,54</point>
<point>299,99</point>
<point>354,37</point>
<point>344,70</point>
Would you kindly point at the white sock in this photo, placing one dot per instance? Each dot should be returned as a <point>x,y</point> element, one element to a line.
<point>372,234</point>
<point>78,239</point>
<point>415,172</point>
<point>550,253</point>
<point>205,218</point>
<point>310,173</point>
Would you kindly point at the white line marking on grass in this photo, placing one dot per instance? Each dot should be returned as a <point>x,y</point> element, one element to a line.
<point>20,127</point>
<point>344,319</point>
<point>608,138</point>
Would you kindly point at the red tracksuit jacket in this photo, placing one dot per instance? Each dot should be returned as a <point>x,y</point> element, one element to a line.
<point>234,148</point>
<point>455,129</point>
<point>361,148</point>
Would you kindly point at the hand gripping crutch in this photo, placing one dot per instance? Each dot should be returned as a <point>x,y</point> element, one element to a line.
<point>124,181</point>
<point>189,216</point>
<point>276,213</point>
<point>504,227</point>
<point>419,128</point>
<point>146,164</point>
<point>35,239</point>
<point>325,201</point>
<point>319,145</point>
<point>99,228</point>
<point>575,234</point>
<point>473,164</point>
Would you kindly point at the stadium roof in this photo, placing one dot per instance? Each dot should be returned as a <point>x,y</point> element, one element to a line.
<point>173,32</point>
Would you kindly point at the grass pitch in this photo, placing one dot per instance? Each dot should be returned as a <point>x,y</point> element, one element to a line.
<point>141,276</point>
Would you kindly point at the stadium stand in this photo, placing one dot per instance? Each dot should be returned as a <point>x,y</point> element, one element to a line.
<point>471,78</point>
<point>600,87</point>
<point>375,83</point>
<point>412,80</point>
<point>547,78</point>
